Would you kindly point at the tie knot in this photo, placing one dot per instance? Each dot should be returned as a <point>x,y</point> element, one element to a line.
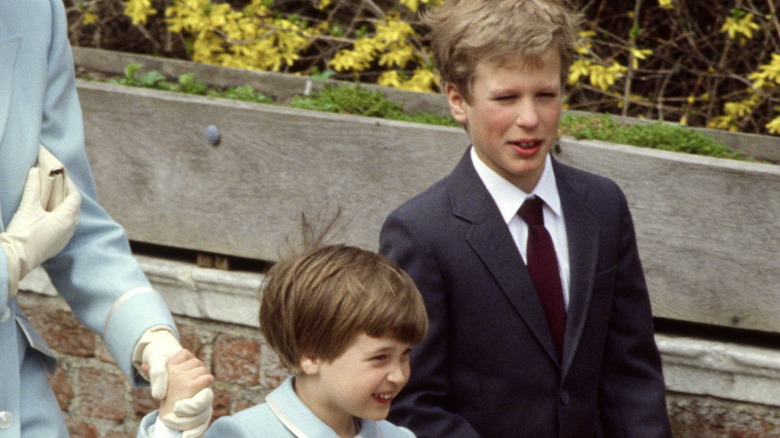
<point>531,211</point>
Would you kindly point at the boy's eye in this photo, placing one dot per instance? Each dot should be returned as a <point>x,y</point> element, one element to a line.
<point>379,358</point>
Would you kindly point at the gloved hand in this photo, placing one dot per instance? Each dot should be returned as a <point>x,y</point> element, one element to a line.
<point>192,415</point>
<point>155,348</point>
<point>36,234</point>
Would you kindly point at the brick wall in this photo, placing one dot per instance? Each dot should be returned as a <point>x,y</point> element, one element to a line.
<point>99,402</point>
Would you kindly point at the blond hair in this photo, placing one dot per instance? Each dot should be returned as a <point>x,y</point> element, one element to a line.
<point>319,302</point>
<point>464,32</point>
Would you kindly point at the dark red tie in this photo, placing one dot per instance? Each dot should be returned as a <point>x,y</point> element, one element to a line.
<point>543,266</point>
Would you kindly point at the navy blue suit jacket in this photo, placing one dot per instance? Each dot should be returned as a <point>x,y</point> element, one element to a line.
<point>488,366</point>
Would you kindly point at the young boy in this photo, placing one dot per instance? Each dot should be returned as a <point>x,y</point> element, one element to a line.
<point>343,320</point>
<point>540,321</point>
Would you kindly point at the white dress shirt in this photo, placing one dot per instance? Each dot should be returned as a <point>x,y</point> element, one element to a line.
<point>509,198</point>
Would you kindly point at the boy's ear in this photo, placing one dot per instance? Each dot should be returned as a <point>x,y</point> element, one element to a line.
<point>310,364</point>
<point>457,103</point>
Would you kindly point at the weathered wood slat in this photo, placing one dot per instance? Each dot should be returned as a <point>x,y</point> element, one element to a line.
<point>284,86</point>
<point>167,185</point>
<point>708,229</point>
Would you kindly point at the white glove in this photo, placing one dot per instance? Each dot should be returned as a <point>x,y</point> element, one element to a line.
<point>192,415</point>
<point>36,234</point>
<point>155,348</point>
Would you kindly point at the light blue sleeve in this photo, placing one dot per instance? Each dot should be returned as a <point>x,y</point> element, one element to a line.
<point>151,428</point>
<point>96,272</point>
<point>230,427</point>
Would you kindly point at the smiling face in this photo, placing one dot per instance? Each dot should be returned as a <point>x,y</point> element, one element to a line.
<point>361,383</point>
<point>512,115</point>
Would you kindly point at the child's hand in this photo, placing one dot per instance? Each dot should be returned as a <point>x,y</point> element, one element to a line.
<point>187,375</point>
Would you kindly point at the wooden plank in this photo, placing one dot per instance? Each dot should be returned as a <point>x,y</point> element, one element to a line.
<point>281,86</point>
<point>160,178</point>
<point>284,86</point>
<point>708,230</point>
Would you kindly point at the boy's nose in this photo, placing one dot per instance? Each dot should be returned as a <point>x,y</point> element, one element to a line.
<point>527,114</point>
<point>399,374</point>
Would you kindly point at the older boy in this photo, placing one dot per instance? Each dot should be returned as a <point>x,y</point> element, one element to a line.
<point>343,320</point>
<point>540,318</point>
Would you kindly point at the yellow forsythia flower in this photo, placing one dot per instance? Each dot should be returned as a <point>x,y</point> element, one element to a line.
<point>774,126</point>
<point>579,68</point>
<point>743,26</point>
<point>639,54</point>
<point>767,74</point>
<point>139,10</point>
<point>89,18</point>
<point>666,4</point>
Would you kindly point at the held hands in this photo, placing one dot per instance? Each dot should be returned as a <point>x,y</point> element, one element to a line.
<point>40,228</point>
<point>187,405</point>
<point>155,348</point>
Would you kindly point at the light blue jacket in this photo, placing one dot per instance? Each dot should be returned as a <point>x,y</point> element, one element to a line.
<point>96,272</point>
<point>283,415</point>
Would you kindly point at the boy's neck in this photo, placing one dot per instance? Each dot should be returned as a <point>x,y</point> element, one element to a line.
<point>305,387</point>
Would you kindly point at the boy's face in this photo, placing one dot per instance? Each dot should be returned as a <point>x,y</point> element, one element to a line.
<point>362,382</point>
<point>512,117</point>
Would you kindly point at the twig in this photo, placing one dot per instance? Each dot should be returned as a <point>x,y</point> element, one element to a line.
<point>631,58</point>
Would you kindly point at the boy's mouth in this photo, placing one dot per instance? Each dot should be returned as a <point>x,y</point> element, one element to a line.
<point>527,144</point>
<point>527,148</point>
<point>384,398</point>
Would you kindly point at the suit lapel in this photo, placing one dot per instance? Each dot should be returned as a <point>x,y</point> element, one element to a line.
<point>9,47</point>
<point>582,235</point>
<point>489,237</point>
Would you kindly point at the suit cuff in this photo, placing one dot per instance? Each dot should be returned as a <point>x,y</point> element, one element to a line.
<point>134,313</point>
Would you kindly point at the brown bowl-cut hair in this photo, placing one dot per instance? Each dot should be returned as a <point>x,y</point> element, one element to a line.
<point>465,32</point>
<point>317,303</point>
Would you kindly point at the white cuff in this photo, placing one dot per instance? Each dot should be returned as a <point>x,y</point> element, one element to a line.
<point>160,430</point>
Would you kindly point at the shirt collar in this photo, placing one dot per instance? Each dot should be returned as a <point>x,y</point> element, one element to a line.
<point>301,421</point>
<point>509,197</point>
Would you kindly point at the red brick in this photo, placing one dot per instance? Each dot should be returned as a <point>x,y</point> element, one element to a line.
<point>221,403</point>
<point>62,389</point>
<point>272,371</point>
<point>143,403</point>
<point>244,403</point>
<point>102,353</point>
<point>697,416</point>
<point>63,332</point>
<point>120,434</point>
<point>102,394</point>
<point>79,429</point>
<point>236,360</point>
<point>190,340</point>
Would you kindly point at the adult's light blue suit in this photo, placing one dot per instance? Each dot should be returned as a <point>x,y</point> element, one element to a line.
<point>96,272</point>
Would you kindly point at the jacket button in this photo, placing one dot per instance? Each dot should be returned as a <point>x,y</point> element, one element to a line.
<point>6,419</point>
<point>565,398</point>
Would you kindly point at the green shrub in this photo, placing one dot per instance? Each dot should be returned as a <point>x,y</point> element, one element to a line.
<point>656,135</point>
<point>358,100</point>
<point>185,83</point>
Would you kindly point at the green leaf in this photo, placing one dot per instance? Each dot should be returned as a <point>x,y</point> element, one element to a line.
<point>151,79</point>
